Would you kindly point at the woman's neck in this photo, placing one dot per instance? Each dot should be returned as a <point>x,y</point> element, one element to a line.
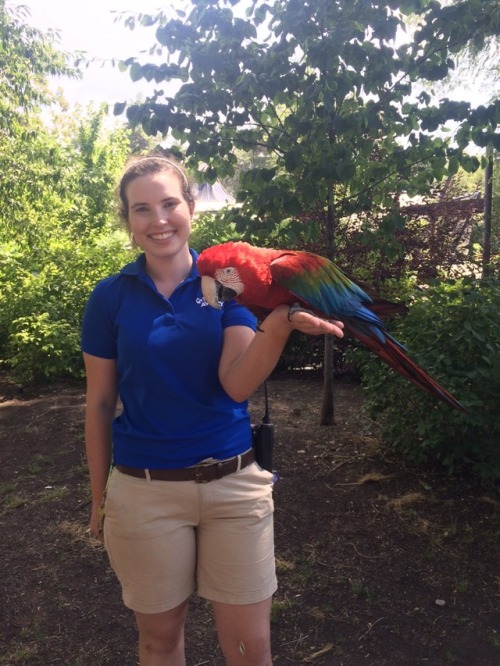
<point>168,272</point>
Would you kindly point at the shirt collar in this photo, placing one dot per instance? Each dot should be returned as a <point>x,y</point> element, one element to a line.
<point>138,267</point>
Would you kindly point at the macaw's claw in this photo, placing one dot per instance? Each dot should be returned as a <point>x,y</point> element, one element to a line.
<point>296,307</point>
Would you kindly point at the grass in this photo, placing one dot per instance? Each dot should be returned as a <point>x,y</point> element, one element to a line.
<point>14,503</point>
<point>22,655</point>
<point>360,589</point>
<point>32,635</point>
<point>38,463</point>
<point>280,608</point>
<point>51,495</point>
<point>7,488</point>
<point>462,586</point>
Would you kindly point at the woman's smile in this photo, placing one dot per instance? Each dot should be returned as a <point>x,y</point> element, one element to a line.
<point>162,236</point>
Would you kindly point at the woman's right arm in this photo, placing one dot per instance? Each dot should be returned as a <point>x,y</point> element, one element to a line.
<point>100,409</point>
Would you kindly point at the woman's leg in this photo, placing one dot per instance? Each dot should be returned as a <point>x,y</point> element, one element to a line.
<point>150,538</point>
<point>161,637</point>
<point>244,633</point>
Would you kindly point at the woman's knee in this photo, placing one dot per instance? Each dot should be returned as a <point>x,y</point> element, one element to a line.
<point>244,633</point>
<point>162,633</point>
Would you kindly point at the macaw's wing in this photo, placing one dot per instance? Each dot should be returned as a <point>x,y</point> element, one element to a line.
<point>325,289</point>
<point>322,286</point>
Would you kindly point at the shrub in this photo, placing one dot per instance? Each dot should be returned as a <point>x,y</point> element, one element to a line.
<point>42,298</point>
<point>453,332</point>
<point>41,349</point>
<point>210,229</point>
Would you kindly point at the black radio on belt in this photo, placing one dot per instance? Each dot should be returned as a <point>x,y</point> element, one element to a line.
<point>263,438</point>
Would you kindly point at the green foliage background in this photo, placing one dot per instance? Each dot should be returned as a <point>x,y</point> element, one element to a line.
<point>318,149</point>
<point>57,229</point>
<point>452,330</point>
<point>42,298</point>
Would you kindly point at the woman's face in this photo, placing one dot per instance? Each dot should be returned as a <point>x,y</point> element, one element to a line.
<point>159,218</point>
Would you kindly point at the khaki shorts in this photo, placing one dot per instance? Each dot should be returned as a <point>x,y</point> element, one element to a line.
<point>165,538</point>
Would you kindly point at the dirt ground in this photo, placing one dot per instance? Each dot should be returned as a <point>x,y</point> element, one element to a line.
<point>379,564</point>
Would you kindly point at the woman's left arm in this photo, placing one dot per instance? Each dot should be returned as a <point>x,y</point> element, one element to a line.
<point>248,358</point>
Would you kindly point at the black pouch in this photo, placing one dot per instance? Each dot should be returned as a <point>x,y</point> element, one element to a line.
<point>263,442</point>
<point>263,438</point>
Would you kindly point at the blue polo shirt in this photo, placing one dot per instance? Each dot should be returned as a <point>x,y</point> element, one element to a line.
<point>175,411</point>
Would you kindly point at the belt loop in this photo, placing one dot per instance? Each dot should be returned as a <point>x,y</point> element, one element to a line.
<point>147,474</point>
<point>238,466</point>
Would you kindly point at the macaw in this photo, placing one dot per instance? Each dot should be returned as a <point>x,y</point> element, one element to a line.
<point>263,278</point>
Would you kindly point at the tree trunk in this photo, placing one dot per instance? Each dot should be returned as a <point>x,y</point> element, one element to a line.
<point>488,207</point>
<point>327,416</point>
<point>327,408</point>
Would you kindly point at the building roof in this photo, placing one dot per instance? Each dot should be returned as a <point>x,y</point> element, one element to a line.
<point>211,197</point>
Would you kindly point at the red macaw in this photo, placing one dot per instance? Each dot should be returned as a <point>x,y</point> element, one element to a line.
<point>262,278</point>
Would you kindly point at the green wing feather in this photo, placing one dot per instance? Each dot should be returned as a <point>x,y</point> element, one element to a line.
<point>322,285</point>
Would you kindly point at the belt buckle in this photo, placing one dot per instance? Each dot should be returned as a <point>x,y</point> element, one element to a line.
<point>199,475</point>
<point>202,472</point>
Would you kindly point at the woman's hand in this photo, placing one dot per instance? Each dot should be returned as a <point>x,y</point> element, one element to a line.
<point>248,358</point>
<point>96,521</point>
<point>306,322</point>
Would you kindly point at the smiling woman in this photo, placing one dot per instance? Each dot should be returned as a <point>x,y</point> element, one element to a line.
<point>184,372</point>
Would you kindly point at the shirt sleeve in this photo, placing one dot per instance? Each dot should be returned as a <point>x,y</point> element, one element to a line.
<point>98,327</point>
<point>238,315</point>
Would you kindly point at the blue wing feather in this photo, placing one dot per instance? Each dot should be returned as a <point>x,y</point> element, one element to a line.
<point>326,289</point>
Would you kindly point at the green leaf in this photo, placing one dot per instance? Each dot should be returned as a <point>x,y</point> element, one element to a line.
<point>119,108</point>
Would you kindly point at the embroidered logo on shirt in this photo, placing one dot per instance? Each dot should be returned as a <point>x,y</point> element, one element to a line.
<point>201,302</point>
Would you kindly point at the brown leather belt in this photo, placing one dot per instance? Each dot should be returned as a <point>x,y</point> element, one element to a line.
<point>201,473</point>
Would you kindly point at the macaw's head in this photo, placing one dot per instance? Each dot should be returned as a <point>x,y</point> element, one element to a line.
<point>229,271</point>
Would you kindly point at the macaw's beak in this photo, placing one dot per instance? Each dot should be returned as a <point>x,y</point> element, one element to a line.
<point>215,293</point>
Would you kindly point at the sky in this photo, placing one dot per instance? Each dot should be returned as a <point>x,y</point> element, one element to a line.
<point>89,25</point>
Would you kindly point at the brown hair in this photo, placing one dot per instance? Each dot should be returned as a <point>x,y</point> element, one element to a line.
<point>144,166</point>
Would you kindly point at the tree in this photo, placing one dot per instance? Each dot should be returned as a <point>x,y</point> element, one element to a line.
<point>27,57</point>
<point>488,211</point>
<point>478,65</point>
<point>328,94</point>
<point>55,244</point>
<point>56,183</point>
<point>477,62</point>
<point>326,88</point>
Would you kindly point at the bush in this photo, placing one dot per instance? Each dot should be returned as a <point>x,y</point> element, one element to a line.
<point>210,229</point>
<point>453,332</point>
<point>41,349</point>
<point>42,298</point>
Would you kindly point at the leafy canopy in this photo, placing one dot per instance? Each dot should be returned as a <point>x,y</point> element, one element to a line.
<point>325,87</point>
<point>27,57</point>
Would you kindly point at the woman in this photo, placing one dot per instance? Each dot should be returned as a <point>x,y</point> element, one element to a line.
<point>176,514</point>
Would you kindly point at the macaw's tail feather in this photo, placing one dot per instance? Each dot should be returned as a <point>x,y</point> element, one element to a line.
<point>381,306</point>
<point>386,309</point>
<point>394,355</point>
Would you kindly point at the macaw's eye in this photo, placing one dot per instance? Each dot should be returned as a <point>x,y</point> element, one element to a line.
<point>226,274</point>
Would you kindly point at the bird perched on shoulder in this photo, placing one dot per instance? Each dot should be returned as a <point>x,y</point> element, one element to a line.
<point>263,278</point>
